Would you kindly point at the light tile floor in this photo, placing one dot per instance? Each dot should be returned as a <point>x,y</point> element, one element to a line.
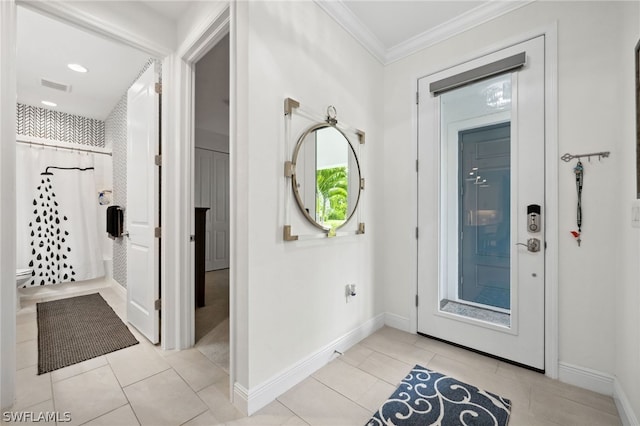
<point>216,302</point>
<point>147,386</point>
<point>212,320</point>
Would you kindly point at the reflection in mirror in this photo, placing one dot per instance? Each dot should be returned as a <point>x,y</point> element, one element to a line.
<point>326,182</point>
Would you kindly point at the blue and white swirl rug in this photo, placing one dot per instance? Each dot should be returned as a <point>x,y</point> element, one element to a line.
<point>426,397</point>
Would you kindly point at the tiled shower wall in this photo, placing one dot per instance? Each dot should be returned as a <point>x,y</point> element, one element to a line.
<point>44,123</point>
<point>116,137</point>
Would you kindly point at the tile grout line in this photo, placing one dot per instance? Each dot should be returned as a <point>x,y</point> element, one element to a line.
<point>340,393</point>
<point>378,377</point>
<point>122,390</point>
<point>205,403</point>
<point>108,412</point>
<point>488,372</point>
<point>199,414</point>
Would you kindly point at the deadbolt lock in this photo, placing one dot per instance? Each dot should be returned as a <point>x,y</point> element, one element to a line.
<point>533,217</point>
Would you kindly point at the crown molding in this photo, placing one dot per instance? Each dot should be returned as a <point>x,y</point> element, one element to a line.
<point>474,17</point>
<point>354,26</point>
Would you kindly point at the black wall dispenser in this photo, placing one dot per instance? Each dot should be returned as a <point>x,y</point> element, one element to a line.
<point>115,221</point>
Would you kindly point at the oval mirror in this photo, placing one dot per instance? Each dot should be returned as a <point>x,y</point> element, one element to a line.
<point>326,178</point>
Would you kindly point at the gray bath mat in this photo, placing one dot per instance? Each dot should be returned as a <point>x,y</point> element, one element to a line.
<point>77,329</point>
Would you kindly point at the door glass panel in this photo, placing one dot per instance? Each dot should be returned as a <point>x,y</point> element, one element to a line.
<point>476,204</point>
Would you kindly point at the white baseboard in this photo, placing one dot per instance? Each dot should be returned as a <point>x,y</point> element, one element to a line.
<point>396,321</point>
<point>118,288</point>
<point>241,398</point>
<point>251,400</point>
<point>586,378</point>
<point>625,410</point>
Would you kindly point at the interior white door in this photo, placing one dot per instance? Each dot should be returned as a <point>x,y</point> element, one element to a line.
<point>219,212</point>
<point>212,190</point>
<point>203,185</point>
<point>481,156</point>
<point>142,210</point>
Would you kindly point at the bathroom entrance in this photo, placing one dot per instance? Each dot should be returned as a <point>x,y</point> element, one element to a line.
<point>76,115</point>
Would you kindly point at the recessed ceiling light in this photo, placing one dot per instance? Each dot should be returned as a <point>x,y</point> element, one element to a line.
<point>49,103</point>
<point>77,68</point>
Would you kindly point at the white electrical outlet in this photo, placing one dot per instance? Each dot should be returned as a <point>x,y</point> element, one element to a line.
<point>349,291</point>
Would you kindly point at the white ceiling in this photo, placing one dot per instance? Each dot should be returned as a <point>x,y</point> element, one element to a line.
<point>393,29</point>
<point>44,48</point>
<point>389,29</point>
<point>393,22</point>
<point>171,9</point>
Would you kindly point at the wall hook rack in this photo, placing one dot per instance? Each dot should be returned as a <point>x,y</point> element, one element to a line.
<point>602,154</point>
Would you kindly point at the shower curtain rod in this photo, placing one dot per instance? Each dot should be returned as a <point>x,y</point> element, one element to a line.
<point>47,145</point>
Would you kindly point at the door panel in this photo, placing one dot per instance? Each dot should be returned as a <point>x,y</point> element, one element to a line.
<point>142,212</point>
<point>220,210</point>
<point>212,190</point>
<point>203,183</point>
<point>481,156</point>
<point>484,174</point>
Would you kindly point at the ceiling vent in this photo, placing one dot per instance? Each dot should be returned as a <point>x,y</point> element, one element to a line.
<point>53,85</point>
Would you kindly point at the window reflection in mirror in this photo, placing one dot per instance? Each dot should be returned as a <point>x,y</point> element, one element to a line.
<point>327,180</point>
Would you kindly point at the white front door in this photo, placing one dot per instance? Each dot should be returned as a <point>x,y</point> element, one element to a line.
<point>142,211</point>
<point>480,183</point>
<point>212,190</point>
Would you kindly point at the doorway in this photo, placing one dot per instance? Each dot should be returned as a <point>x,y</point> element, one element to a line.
<point>481,278</point>
<point>86,80</point>
<point>211,192</point>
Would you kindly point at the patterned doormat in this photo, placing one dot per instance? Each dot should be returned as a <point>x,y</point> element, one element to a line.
<point>425,397</point>
<point>77,329</point>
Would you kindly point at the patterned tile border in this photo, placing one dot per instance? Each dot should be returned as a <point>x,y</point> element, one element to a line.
<point>59,126</point>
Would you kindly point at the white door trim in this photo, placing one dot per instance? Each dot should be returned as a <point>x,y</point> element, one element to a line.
<point>551,181</point>
<point>551,191</point>
<point>7,198</point>
<point>197,43</point>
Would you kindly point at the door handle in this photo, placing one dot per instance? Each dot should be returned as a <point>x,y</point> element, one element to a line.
<point>532,245</point>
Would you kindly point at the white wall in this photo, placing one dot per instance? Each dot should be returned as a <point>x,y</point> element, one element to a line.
<point>104,180</point>
<point>296,302</point>
<point>131,22</point>
<point>212,141</point>
<point>595,45</point>
<point>627,313</point>
<point>212,99</point>
<point>7,198</point>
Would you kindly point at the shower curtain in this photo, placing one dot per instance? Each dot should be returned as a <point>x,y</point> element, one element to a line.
<point>57,231</point>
